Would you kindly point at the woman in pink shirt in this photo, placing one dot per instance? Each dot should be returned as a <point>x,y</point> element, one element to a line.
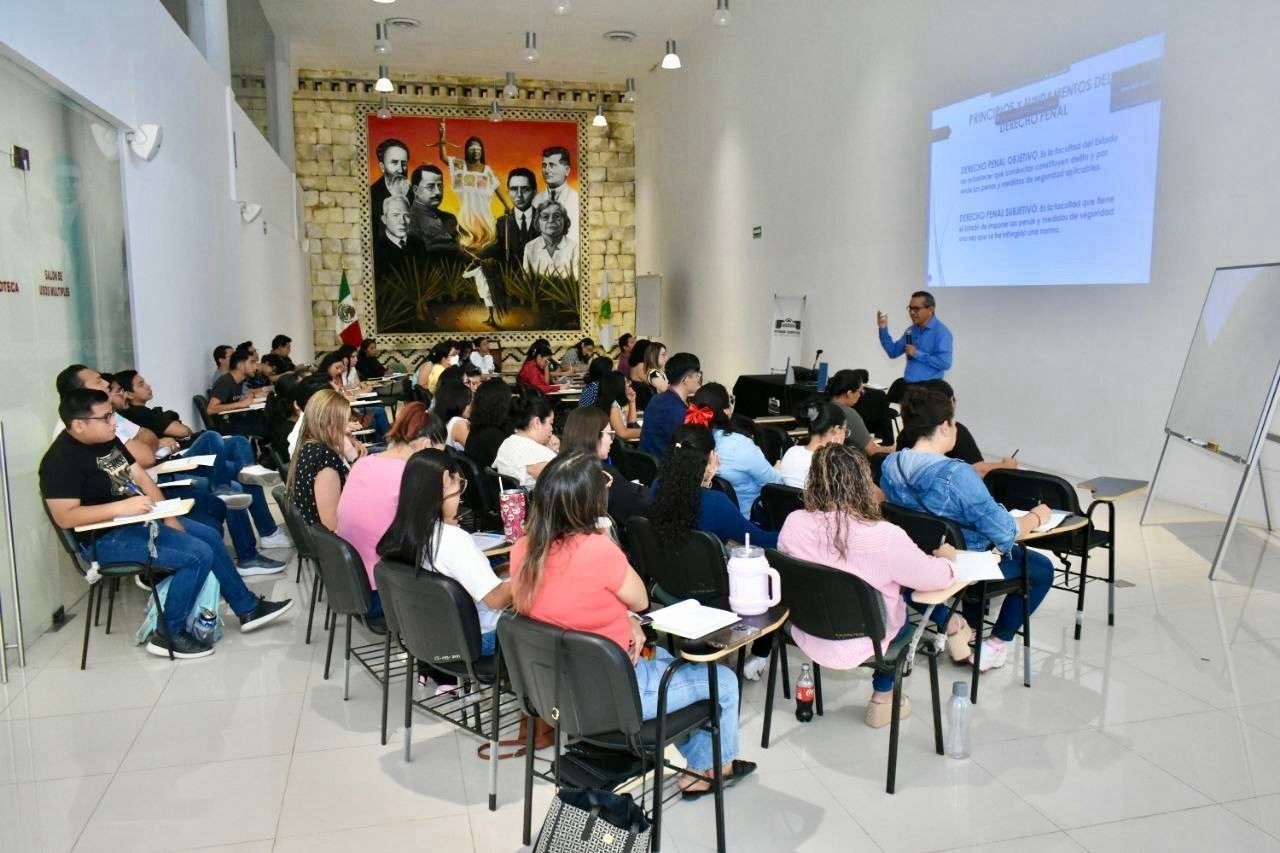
<point>841,527</point>
<point>368,502</point>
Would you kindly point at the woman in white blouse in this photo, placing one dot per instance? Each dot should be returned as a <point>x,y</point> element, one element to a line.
<point>525,452</point>
<point>826,426</point>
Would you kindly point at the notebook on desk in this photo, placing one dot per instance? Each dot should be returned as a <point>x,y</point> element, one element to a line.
<point>974,566</point>
<point>691,620</point>
<point>1056,517</point>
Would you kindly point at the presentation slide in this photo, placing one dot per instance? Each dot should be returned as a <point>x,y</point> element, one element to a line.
<point>1053,182</point>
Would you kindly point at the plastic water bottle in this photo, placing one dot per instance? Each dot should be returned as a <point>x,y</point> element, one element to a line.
<point>804,695</point>
<point>205,623</point>
<point>959,713</point>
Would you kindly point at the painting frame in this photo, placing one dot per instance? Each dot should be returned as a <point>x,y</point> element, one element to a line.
<point>367,289</point>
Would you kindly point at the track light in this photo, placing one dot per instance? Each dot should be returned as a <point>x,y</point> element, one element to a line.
<point>562,7</point>
<point>672,60</point>
<point>722,17</point>
<point>495,114</point>
<point>384,107</point>
<point>250,211</point>
<point>384,80</point>
<point>144,140</point>
<point>511,90</point>
<point>629,96</point>
<point>600,120</point>
<point>381,44</point>
<point>530,46</point>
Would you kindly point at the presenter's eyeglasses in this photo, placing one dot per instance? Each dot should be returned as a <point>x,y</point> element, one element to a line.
<point>915,309</point>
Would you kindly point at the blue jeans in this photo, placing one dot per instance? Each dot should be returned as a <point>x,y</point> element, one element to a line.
<point>212,512</point>
<point>191,556</point>
<point>690,684</point>
<point>1013,612</point>
<point>488,643</point>
<point>232,453</point>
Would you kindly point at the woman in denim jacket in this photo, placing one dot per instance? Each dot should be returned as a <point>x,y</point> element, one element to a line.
<point>922,478</point>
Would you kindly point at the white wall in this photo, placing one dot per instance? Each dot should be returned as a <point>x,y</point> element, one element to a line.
<point>199,276</point>
<point>811,118</point>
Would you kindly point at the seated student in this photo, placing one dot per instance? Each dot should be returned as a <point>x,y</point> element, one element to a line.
<point>489,424</point>
<point>281,346</point>
<point>923,478</point>
<point>617,399</point>
<point>221,355</point>
<point>228,397</point>
<point>299,397</point>
<point>231,455</point>
<point>442,355</point>
<point>844,388</point>
<point>368,365</point>
<point>742,462</point>
<point>841,527</point>
<point>272,367</point>
<point>481,356</point>
<point>666,411</point>
<point>566,573</point>
<point>588,431</point>
<point>335,367</point>
<point>534,372</point>
<point>577,357</point>
<point>826,426</point>
<point>655,362</point>
<point>638,374</point>
<point>452,404</point>
<point>873,407</point>
<point>531,445</point>
<point>599,366</point>
<point>425,534</point>
<point>350,376</point>
<point>471,376</point>
<point>254,378</point>
<point>88,476</point>
<point>318,469</point>
<point>368,500</point>
<point>966,448</point>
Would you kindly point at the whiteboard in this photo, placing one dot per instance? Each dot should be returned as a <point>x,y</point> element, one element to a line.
<point>1229,379</point>
<point>648,306</point>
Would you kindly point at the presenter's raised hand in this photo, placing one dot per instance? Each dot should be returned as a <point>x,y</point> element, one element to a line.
<point>882,319</point>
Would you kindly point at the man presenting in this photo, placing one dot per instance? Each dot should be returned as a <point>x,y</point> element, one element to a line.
<point>926,342</point>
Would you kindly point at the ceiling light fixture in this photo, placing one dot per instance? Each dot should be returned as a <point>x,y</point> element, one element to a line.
<point>629,96</point>
<point>384,107</point>
<point>722,17</point>
<point>384,80</point>
<point>511,90</point>
<point>384,1</point>
<point>671,60</point>
<point>562,7</point>
<point>495,114</point>
<point>381,44</point>
<point>530,46</point>
<point>600,120</point>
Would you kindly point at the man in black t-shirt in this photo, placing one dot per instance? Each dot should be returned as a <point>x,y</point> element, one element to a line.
<point>281,346</point>
<point>229,397</point>
<point>87,477</point>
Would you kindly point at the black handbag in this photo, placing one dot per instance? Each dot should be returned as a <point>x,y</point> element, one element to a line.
<point>593,821</point>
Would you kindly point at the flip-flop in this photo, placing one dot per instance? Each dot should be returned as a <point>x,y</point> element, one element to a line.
<point>741,770</point>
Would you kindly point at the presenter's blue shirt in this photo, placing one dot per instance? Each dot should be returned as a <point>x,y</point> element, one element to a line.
<point>933,350</point>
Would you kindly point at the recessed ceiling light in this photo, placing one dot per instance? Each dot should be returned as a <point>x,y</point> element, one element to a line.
<point>621,36</point>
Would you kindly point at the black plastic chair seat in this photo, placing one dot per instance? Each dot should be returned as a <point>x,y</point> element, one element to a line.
<point>1076,542</point>
<point>679,723</point>
<point>485,668</point>
<point>124,570</point>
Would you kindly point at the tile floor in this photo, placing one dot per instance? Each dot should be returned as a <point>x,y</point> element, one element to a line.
<point>1161,733</point>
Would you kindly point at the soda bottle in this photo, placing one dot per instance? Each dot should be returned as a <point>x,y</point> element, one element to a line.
<point>804,695</point>
<point>959,713</point>
<point>203,626</point>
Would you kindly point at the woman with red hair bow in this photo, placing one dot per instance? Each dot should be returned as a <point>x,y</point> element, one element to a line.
<point>742,463</point>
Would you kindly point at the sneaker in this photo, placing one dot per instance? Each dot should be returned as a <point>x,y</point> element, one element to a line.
<point>754,668</point>
<point>232,498</point>
<point>993,657</point>
<point>258,476</point>
<point>264,612</point>
<point>184,646</point>
<point>141,583</point>
<point>259,565</point>
<point>279,539</point>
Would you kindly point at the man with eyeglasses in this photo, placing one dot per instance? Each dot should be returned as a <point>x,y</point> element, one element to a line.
<point>666,411</point>
<point>926,342</point>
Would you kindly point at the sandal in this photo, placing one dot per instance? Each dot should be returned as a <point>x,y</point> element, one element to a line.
<point>741,770</point>
<point>958,644</point>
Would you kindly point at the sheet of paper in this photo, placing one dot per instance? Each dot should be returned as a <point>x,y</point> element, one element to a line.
<point>159,506</point>
<point>1056,517</point>
<point>202,460</point>
<point>485,541</point>
<point>173,484</point>
<point>691,620</point>
<point>974,566</point>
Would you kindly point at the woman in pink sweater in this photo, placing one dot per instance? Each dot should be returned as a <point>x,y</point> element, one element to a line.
<point>841,527</point>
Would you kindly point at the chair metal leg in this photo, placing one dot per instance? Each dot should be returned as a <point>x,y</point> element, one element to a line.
<point>531,724</point>
<point>328,655</point>
<point>311,617</point>
<point>977,644</point>
<point>1084,577</point>
<point>408,705</point>
<point>1026,620</point>
<point>386,682</point>
<point>84,650</point>
<point>937,704</point>
<point>717,776</point>
<point>894,719</point>
<point>111,601</point>
<point>301,559</point>
<point>346,663</point>
<point>817,687</point>
<point>786,673</point>
<point>97,613</point>
<point>152,581</point>
<point>494,710</point>
<point>768,693</point>
<point>1111,564</point>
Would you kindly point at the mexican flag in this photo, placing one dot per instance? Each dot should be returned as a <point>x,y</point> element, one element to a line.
<point>348,319</point>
